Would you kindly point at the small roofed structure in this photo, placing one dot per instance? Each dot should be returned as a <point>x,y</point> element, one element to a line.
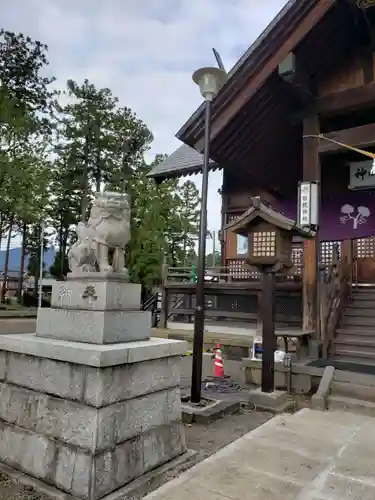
<point>264,212</point>
<point>269,234</point>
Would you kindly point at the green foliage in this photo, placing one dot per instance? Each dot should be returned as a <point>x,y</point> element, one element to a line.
<point>213,260</point>
<point>101,140</point>
<point>55,153</point>
<point>60,265</point>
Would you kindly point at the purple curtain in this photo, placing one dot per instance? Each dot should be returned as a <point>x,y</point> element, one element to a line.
<point>343,216</point>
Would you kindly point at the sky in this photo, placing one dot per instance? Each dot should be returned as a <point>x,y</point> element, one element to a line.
<point>146,52</point>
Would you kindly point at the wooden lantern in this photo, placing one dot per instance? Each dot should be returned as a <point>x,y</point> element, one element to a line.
<point>270,235</point>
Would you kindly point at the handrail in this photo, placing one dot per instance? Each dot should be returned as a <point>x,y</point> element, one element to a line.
<point>151,304</point>
<point>335,286</point>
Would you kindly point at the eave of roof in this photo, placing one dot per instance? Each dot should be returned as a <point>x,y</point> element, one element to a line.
<point>251,63</point>
<point>243,59</point>
<point>184,161</point>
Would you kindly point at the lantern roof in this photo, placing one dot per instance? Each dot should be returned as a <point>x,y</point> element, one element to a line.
<point>259,210</point>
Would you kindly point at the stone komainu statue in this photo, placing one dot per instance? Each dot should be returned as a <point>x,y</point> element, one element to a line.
<point>101,242</point>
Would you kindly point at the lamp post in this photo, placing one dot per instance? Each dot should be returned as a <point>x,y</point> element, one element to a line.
<point>209,80</point>
<point>41,266</point>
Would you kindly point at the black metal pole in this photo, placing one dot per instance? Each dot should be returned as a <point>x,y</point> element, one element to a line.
<point>196,378</point>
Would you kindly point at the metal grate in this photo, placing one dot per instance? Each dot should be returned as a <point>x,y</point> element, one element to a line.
<point>239,303</point>
<point>288,306</point>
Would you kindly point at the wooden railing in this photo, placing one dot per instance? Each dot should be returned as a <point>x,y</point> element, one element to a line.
<point>185,274</point>
<point>335,291</point>
<point>213,274</point>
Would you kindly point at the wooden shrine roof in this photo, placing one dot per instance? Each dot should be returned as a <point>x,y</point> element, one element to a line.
<point>256,128</point>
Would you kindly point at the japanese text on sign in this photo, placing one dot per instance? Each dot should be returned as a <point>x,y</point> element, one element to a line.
<point>361,175</point>
<point>305,205</point>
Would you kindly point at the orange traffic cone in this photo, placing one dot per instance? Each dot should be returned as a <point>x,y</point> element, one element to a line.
<point>218,363</point>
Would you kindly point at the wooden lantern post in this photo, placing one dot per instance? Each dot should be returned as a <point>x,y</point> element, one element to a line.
<point>270,236</point>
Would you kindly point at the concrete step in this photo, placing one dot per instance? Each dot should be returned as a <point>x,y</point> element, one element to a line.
<point>353,405</point>
<point>356,331</point>
<point>352,352</point>
<point>352,390</point>
<point>360,311</point>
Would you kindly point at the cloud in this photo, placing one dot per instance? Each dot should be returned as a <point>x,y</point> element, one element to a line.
<point>145,51</point>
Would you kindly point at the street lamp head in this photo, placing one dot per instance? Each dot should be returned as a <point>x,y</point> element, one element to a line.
<point>210,81</point>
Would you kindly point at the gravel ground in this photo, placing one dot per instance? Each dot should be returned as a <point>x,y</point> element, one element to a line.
<point>12,490</point>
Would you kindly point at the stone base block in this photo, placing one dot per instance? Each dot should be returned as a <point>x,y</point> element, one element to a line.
<point>191,413</point>
<point>99,356</point>
<point>135,490</point>
<point>96,327</point>
<point>85,475</point>
<point>84,429</point>
<point>93,294</point>
<point>276,401</point>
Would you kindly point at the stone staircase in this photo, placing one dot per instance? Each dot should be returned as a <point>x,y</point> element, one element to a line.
<point>355,338</point>
<point>354,392</point>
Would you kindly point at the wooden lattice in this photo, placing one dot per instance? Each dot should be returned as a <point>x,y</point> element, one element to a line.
<point>328,251</point>
<point>238,270</point>
<point>297,260</point>
<point>365,247</point>
<point>264,244</point>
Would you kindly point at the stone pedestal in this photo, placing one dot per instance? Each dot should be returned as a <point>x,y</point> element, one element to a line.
<point>90,416</point>
<point>95,308</point>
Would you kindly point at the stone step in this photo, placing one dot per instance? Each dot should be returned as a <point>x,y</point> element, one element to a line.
<point>354,405</point>
<point>365,303</point>
<point>352,359</point>
<point>362,379</point>
<point>353,352</point>
<point>360,311</point>
<point>365,344</point>
<point>358,320</point>
<point>356,331</point>
<point>356,391</point>
<point>360,296</point>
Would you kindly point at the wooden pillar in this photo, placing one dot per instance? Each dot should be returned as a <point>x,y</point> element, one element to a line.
<point>311,172</point>
<point>267,315</point>
<point>347,256</point>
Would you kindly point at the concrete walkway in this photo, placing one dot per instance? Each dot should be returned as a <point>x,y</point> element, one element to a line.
<point>310,455</point>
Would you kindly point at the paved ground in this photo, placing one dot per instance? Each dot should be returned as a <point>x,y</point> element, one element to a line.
<point>218,327</point>
<point>310,455</point>
<point>27,325</point>
<point>17,325</point>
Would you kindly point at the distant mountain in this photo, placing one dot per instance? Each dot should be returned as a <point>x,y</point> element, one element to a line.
<point>15,258</point>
